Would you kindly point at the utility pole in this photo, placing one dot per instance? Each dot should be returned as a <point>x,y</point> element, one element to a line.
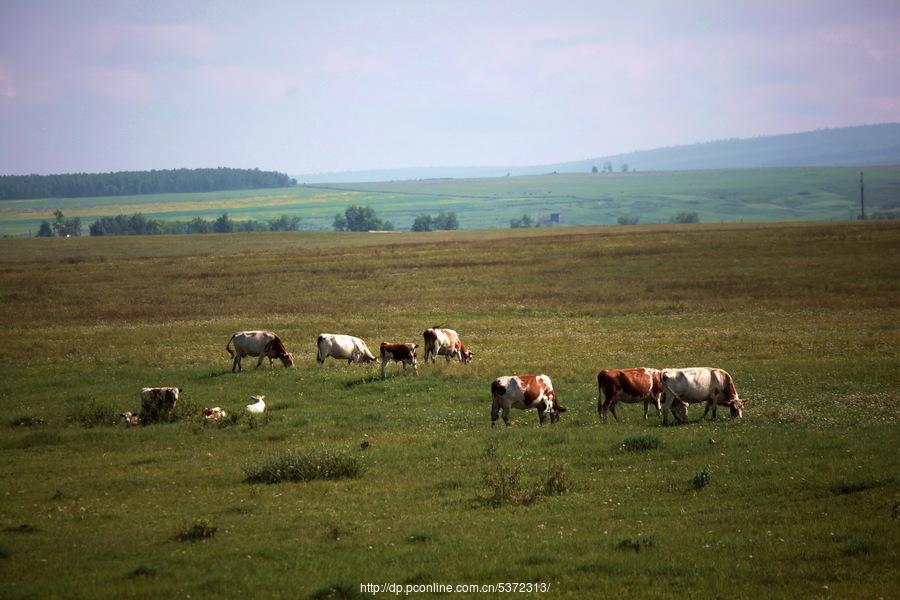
<point>862,198</point>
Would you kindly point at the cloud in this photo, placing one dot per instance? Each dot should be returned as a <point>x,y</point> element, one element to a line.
<point>117,84</point>
<point>7,86</point>
<point>178,39</point>
<point>245,82</point>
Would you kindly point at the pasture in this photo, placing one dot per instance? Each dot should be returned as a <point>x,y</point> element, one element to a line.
<point>800,498</point>
<point>802,193</point>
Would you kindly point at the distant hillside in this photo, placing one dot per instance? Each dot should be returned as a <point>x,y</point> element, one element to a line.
<point>846,146</point>
<point>132,183</point>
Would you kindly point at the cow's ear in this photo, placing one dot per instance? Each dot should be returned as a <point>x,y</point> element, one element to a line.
<point>415,345</point>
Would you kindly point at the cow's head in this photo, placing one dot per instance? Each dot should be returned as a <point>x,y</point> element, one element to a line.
<point>287,359</point>
<point>736,407</point>
<point>465,355</point>
<point>412,352</point>
<point>554,407</point>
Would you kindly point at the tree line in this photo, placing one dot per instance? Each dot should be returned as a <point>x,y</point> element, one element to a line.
<point>130,183</point>
<point>138,224</point>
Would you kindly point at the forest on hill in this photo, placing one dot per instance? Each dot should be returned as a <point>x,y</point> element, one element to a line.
<point>133,183</point>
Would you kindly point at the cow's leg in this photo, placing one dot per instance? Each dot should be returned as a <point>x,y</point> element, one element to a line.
<point>612,409</point>
<point>506,411</point>
<point>236,364</point>
<point>646,408</point>
<point>495,410</point>
<point>670,397</point>
<point>262,355</point>
<point>600,410</point>
<point>383,366</point>
<point>542,416</point>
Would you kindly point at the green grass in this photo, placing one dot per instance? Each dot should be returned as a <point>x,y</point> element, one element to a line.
<point>803,491</point>
<point>730,195</point>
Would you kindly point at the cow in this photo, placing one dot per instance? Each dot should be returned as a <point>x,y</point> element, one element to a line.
<point>157,402</point>
<point>524,392</point>
<point>213,414</point>
<point>130,419</point>
<point>630,386</point>
<point>700,384</point>
<point>440,341</point>
<point>404,354</point>
<point>263,344</point>
<point>343,347</point>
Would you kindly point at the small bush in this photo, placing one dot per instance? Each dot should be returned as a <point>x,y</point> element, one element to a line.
<point>641,443</point>
<point>198,530</point>
<point>142,571</point>
<point>859,547</point>
<point>304,466</point>
<point>27,421</point>
<point>840,488</point>
<point>628,219</point>
<point>701,479</point>
<point>91,413</point>
<point>339,591</point>
<point>418,538</point>
<point>506,487</point>
<point>637,544</point>
<point>686,217</point>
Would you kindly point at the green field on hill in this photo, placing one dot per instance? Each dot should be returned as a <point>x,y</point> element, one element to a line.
<point>800,498</point>
<point>790,194</point>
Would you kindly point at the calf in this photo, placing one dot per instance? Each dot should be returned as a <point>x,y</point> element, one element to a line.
<point>630,386</point>
<point>700,384</point>
<point>404,354</point>
<point>524,392</point>
<point>263,344</point>
<point>343,347</point>
<point>157,403</point>
<point>440,341</point>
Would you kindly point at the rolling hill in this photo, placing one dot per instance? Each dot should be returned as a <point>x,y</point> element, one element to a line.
<point>845,146</point>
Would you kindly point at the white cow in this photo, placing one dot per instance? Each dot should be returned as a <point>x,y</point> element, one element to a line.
<point>343,347</point>
<point>263,344</point>
<point>524,392</point>
<point>440,341</point>
<point>700,384</point>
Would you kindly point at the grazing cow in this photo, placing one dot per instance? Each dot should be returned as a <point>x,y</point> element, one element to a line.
<point>214,414</point>
<point>440,341</point>
<point>157,403</point>
<point>404,354</point>
<point>263,344</point>
<point>343,347</point>
<point>700,384</point>
<point>630,386</point>
<point>524,392</point>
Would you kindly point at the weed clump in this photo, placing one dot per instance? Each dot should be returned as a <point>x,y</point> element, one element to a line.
<point>197,531</point>
<point>142,571</point>
<point>641,443</point>
<point>304,466</point>
<point>27,421</point>
<point>841,488</point>
<point>637,544</point>
<point>505,485</point>
<point>91,413</point>
<point>701,479</point>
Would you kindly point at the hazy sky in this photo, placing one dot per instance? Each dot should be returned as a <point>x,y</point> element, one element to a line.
<point>305,87</point>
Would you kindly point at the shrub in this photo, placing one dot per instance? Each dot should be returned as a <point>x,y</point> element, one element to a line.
<point>304,466</point>
<point>701,479</point>
<point>628,219</point>
<point>641,443</point>
<point>27,421</point>
<point>637,544</point>
<point>686,217</point>
<point>90,413</point>
<point>506,487</point>
<point>198,530</point>
<point>142,571</point>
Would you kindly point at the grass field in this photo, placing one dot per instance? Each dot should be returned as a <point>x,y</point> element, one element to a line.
<point>801,498</point>
<point>819,193</point>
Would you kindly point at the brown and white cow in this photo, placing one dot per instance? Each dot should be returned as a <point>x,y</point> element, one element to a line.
<point>404,354</point>
<point>700,384</point>
<point>630,386</point>
<point>263,344</point>
<point>440,341</point>
<point>157,403</point>
<point>524,392</point>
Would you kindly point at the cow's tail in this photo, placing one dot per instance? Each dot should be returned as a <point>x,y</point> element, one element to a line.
<point>319,358</point>
<point>228,345</point>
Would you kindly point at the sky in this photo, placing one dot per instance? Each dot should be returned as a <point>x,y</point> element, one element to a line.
<point>321,86</point>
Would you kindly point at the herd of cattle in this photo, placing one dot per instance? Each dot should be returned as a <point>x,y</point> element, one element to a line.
<point>669,390</point>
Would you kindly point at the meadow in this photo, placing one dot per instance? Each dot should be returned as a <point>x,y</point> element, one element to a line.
<point>777,194</point>
<point>800,498</point>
